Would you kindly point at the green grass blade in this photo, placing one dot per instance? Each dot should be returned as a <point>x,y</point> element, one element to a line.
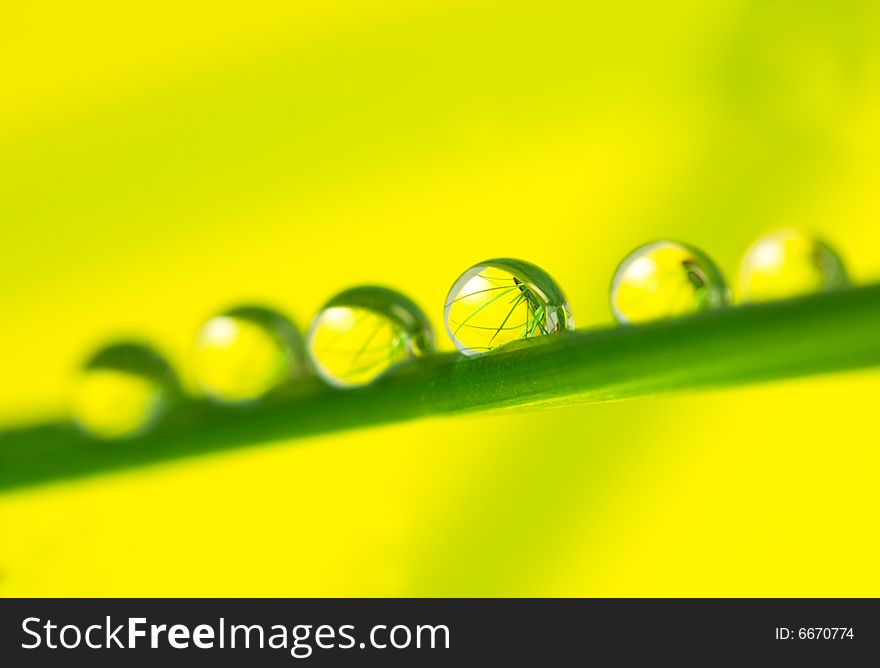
<point>817,334</point>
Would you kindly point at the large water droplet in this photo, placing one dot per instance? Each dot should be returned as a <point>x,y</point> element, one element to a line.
<point>788,263</point>
<point>364,332</point>
<point>503,300</point>
<point>243,354</point>
<point>122,391</point>
<point>666,279</point>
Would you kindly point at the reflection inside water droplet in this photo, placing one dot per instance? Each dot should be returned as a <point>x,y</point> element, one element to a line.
<point>788,263</point>
<point>500,301</point>
<point>122,391</point>
<point>666,279</point>
<point>243,354</point>
<point>362,333</point>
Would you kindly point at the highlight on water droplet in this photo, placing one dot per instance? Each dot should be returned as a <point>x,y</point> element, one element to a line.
<point>666,279</point>
<point>243,354</point>
<point>362,333</point>
<point>500,301</point>
<point>122,391</point>
<point>788,263</point>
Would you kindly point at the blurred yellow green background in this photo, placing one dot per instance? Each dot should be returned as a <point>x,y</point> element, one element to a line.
<point>160,162</point>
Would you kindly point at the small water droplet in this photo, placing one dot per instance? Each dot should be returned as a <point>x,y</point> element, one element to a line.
<point>243,354</point>
<point>362,333</point>
<point>788,263</point>
<point>122,391</point>
<point>499,301</point>
<point>666,279</point>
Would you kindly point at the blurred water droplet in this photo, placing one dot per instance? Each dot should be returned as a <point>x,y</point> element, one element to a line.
<point>666,279</point>
<point>788,263</point>
<point>362,333</point>
<point>499,301</point>
<point>122,391</point>
<point>245,353</point>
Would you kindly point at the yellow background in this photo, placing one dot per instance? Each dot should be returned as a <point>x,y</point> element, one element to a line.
<point>164,161</point>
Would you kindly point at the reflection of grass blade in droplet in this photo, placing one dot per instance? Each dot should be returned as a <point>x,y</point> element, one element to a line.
<point>501,327</point>
<point>537,321</point>
<point>788,263</point>
<point>477,310</point>
<point>665,279</point>
<point>702,294</point>
<point>366,344</point>
<point>481,314</point>
<point>479,292</point>
<point>833,331</point>
<point>694,275</point>
<point>362,332</point>
<point>396,346</point>
<point>535,309</point>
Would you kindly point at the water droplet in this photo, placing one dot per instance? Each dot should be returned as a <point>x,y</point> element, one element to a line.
<point>666,279</point>
<point>788,263</point>
<point>122,391</point>
<point>243,354</point>
<point>364,332</point>
<point>500,301</point>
